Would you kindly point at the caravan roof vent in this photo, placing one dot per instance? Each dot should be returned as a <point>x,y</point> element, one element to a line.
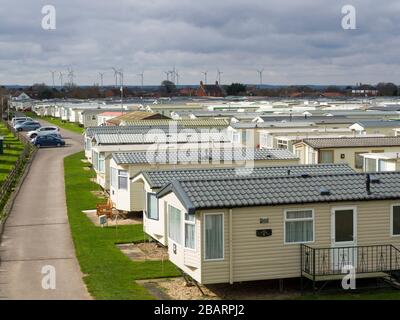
<point>375,180</point>
<point>324,191</point>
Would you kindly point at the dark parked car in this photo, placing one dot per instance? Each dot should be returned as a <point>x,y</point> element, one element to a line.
<point>48,141</point>
<point>27,126</point>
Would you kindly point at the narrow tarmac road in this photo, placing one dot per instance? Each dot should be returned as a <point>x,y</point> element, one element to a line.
<point>37,233</point>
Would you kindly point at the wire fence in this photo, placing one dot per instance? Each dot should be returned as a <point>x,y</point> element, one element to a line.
<point>7,187</point>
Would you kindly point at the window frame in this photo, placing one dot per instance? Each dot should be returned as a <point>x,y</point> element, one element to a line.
<point>169,206</point>
<point>148,195</point>
<point>192,223</point>
<point>358,154</point>
<point>101,159</point>
<point>95,160</point>
<point>285,211</point>
<point>392,220</point>
<point>114,174</point>
<point>332,151</point>
<point>282,142</point>
<point>123,176</point>
<point>223,236</point>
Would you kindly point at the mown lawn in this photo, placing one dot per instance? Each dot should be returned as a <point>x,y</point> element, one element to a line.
<point>12,149</point>
<point>109,274</point>
<point>58,122</point>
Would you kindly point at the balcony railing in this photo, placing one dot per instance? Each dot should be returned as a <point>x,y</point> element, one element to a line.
<point>322,263</point>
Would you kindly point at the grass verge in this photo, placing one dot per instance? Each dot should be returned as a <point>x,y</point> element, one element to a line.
<point>12,150</point>
<point>109,274</point>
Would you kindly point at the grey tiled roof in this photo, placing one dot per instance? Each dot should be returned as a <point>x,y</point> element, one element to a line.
<point>379,124</point>
<point>319,143</point>
<point>149,138</point>
<point>202,156</point>
<point>272,124</point>
<point>91,131</point>
<point>246,192</point>
<point>160,178</point>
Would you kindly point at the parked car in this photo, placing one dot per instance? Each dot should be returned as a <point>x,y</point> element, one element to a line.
<point>55,134</point>
<point>27,126</point>
<point>48,141</point>
<point>42,131</point>
<point>20,119</point>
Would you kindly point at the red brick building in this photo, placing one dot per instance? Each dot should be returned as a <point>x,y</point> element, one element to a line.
<point>210,90</point>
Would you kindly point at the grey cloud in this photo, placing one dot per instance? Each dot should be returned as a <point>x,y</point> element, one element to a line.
<point>295,41</point>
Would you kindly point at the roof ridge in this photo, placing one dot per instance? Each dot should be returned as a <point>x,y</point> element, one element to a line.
<point>255,168</point>
<point>309,175</point>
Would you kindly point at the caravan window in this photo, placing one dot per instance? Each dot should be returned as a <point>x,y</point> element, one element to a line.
<point>299,226</point>
<point>174,224</point>
<point>152,206</point>
<point>122,179</point>
<point>190,231</point>
<point>395,220</point>
<point>214,236</point>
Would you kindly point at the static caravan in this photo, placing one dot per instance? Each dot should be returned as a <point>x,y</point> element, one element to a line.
<point>381,162</point>
<point>250,229</point>
<point>155,224</point>
<point>130,197</point>
<point>103,145</point>
<point>343,150</point>
<point>375,127</point>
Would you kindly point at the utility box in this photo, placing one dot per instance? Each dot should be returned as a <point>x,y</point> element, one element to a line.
<point>1,145</point>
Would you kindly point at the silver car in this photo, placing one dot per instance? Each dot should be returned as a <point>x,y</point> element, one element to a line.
<point>43,131</point>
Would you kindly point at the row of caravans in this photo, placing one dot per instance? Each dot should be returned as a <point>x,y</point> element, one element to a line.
<point>273,221</point>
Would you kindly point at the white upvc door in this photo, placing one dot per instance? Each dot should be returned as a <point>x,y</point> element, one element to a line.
<point>344,237</point>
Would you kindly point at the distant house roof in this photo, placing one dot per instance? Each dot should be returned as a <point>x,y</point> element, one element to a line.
<point>199,156</point>
<point>210,90</point>
<point>379,124</point>
<point>160,178</point>
<point>345,142</point>
<point>137,115</point>
<point>269,191</point>
<point>184,122</point>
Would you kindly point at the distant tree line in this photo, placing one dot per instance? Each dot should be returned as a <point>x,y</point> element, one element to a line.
<point>168,89</point>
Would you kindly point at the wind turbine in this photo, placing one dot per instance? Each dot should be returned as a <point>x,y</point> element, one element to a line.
<point>177,77</point>
<point>219,73</point>
<point>61,79</point>
<point>52,77</point>
<point>167,73</point>
<point>260,74</point>
<point>116,76</point>
<point>141,75</point>
<point>71,76</point>
<point>101,74</point>
<point>205,76</point>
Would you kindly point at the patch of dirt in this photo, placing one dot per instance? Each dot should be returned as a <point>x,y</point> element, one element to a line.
<point>86,168</point>
<point>117,220</point>
<point>99,194</point>
<point>177,289</point>
<point>144,251</point>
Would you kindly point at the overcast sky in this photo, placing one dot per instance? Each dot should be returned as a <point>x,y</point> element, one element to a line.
<point>297,42</point>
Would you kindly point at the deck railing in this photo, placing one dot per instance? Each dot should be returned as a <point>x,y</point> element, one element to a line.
<point>323,262</point>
